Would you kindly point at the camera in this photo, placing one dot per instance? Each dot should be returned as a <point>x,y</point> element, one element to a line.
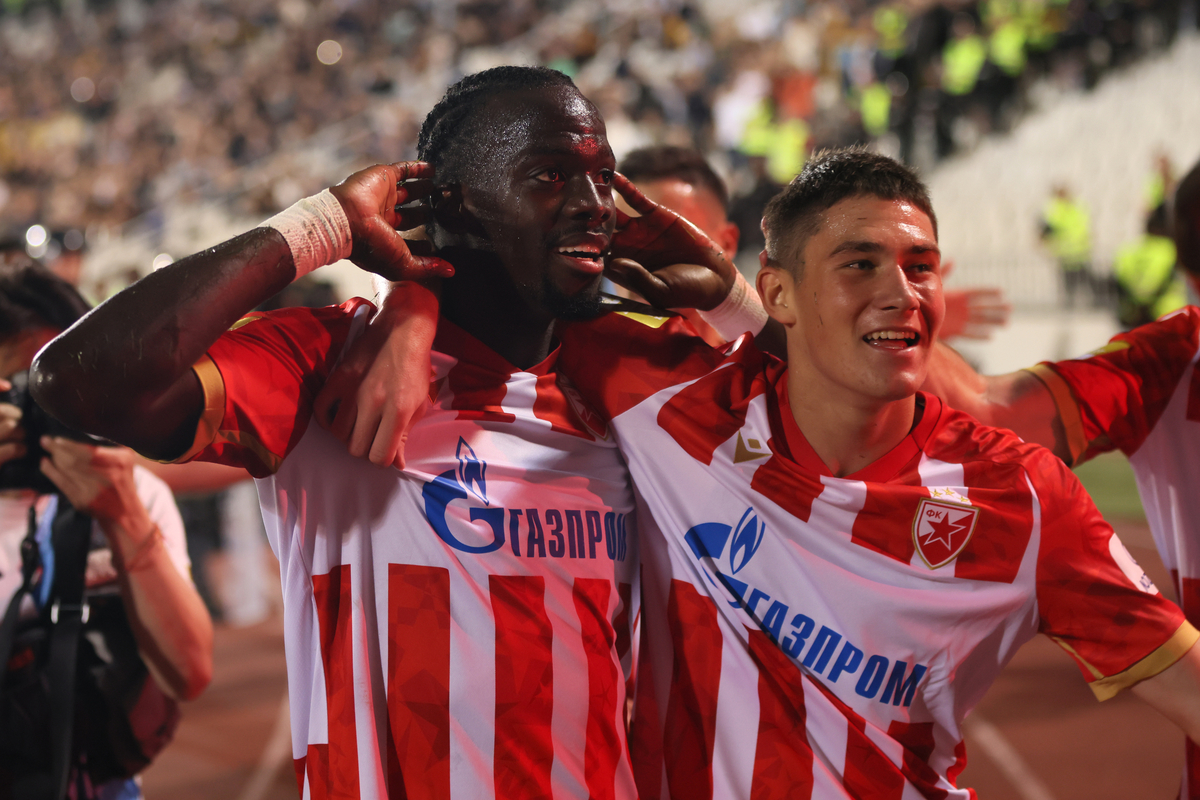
<point>25,472</point>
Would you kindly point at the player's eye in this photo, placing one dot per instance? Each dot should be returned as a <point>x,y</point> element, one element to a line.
<point>551,175</point>
<point>605,177</point>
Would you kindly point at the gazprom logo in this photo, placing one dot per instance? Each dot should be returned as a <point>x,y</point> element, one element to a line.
<point>453,484</point>
<point>747,536</point>
<point>708,540</point>
<point>471,471</point>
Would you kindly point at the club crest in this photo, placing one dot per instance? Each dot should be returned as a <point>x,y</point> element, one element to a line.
<point>941,530</point>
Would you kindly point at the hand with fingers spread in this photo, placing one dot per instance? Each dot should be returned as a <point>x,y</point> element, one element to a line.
<point>974,313</point>
<point>381,386</point>
<point>377,202</point>
<point>665,258</point>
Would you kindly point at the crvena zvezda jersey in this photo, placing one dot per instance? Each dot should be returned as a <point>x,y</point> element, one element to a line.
<point>458,629</point>
<point>806,635</point>
<point>1140,394</point>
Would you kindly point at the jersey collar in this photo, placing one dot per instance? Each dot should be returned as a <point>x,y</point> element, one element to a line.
<point>885,468</point>
<point>466,349</point>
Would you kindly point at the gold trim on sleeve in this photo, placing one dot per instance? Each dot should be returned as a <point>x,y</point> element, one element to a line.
<point>1167,654</point>
<point>1068,408</point>
<point>213,386</point>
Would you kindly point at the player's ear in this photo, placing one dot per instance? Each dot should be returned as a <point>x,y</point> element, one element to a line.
<point>777,289</point>
<point>451,211</point>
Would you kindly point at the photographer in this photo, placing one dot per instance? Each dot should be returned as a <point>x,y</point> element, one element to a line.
<point>137,546</point>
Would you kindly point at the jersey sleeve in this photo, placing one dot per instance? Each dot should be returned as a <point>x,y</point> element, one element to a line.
<point>1093,598</point>
<point>260,380</point>
<point>620,359</point>
<point>1113,397</point>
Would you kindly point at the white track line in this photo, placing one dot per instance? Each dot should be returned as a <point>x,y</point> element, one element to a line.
<point>277,750</point>
<point>1006,758</point>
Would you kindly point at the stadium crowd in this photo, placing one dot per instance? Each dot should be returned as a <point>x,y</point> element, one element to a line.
<point>110,109</point>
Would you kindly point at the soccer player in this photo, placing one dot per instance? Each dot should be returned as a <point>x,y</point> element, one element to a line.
<point>460,629</point>
<point>1139,394</point>
<point>828,549</point>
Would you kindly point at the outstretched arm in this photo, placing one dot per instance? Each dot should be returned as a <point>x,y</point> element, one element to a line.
<point>1018,401</point>
<point>124,370</point>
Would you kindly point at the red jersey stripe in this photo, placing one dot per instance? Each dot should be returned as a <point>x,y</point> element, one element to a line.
<point>524,749</point>
<point>331,593</point>
<point>1193,399</point>
<point>418,680</point>
<point>603,748</point>
<point>645,728</point>
<point>689,731</point>
<point>783,759</point>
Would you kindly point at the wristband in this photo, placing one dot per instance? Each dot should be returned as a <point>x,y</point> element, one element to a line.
<point>740,311</point>
<point>317,231</point>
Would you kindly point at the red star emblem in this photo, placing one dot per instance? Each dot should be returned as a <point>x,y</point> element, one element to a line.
<point>941,530</point>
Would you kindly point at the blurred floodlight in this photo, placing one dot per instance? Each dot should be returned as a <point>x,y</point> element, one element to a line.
<point>329,52</point>
<point>161,260</point>
<point>82,90</point>
<point>36,236</point>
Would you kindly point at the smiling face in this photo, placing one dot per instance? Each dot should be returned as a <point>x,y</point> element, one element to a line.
<point>862,316</point>
<point>543,199</point>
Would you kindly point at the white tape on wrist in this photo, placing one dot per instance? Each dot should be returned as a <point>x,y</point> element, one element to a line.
<point>317,231</point>
<point>740,311</point>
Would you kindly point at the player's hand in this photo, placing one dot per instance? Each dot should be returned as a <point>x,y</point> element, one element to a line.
<point>665,258</point>
<point>381,387</point>
<point>376,201</point>
<point>974,313</point>
<point>98,480</point>
<point>12,437</point>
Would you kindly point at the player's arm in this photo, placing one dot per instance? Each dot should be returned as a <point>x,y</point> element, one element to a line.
<point>124,371</point>
<point>379,388</point>
<point>1175,692</point>
<point>1019,401</point>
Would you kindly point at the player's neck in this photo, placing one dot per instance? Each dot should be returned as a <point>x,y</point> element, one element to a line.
<point>848,433</point>
<point>483,302</point>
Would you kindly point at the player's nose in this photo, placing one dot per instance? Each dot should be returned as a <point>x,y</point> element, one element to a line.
<point>588,200</point>
<point>894,289</point>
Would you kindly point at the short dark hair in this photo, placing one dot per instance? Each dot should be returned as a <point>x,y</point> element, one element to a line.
<point>666,161</point>
<point>1187,221</point>
<point>829,177</point>
<point>32,297</point>
<point>448,134</point>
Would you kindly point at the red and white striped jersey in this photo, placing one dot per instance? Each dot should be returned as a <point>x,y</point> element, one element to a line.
<point>1140,394</point>
<point>456,630</point>
<point>812,636</point>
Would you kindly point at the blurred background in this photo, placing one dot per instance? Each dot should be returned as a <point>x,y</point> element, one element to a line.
<point>133,132</point>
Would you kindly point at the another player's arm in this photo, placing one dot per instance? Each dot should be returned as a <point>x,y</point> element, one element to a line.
<point>1019,401</point>
<point>124,371</point>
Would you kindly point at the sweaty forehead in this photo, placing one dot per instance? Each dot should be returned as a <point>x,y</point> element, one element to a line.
<point>548,119</point>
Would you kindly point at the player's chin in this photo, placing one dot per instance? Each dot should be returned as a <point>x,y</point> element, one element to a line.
<point>578,303</point>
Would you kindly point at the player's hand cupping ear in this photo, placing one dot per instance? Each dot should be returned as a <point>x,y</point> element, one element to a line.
<point>665,258</point>
<point>377,202</point>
